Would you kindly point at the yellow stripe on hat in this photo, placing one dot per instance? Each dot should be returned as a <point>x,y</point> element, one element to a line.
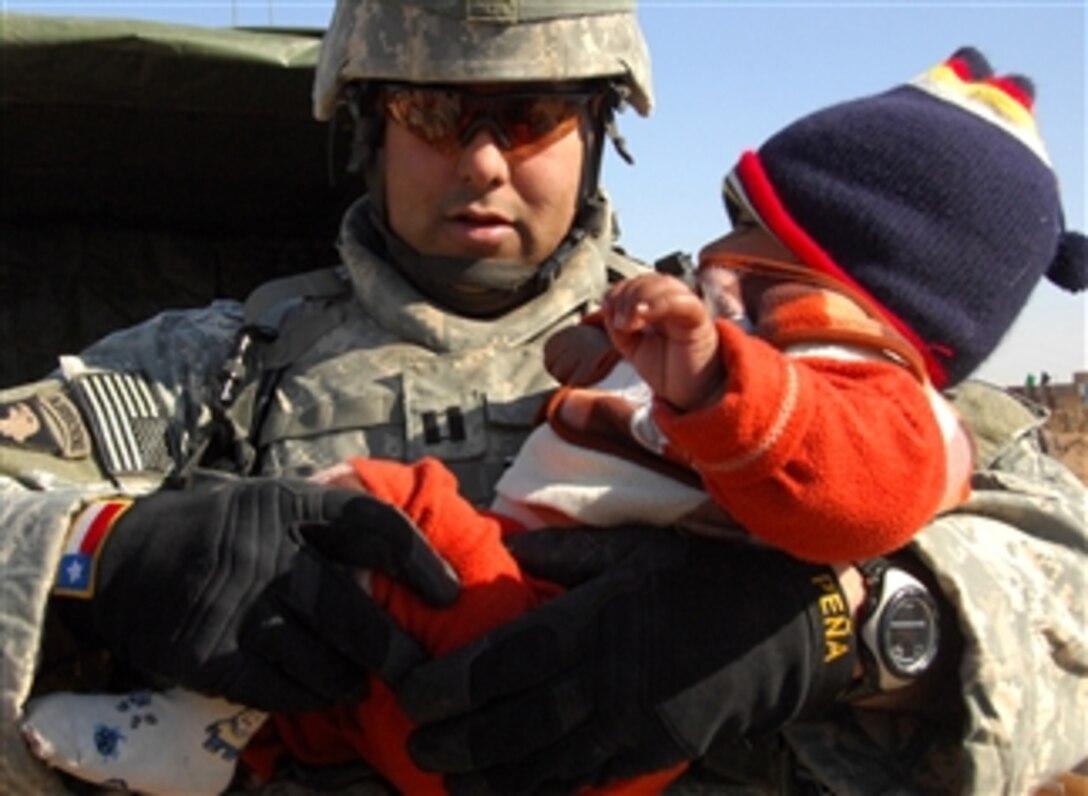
<point>986,101</point>
<point>986,93</point>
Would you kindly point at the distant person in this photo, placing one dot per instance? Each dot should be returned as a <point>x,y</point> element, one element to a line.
<point>1029,386</point>
<point>1048,394</point>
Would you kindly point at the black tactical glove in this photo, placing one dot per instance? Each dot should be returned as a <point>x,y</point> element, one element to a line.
<point>663,644</point>
<point>239,589</point>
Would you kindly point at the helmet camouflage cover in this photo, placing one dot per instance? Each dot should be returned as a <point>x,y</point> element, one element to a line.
<point>477,41</point>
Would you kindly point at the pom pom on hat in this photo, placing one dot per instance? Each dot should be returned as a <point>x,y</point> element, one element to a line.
<point>1070,267</point>
<point>936,199</point>
<point>970,64</point>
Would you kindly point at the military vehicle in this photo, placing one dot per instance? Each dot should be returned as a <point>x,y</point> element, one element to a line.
<point>146,166</point>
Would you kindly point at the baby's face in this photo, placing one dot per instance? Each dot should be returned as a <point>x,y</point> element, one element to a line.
<point>731,294</point>
<point>748,237</point>
<point>720,288</point>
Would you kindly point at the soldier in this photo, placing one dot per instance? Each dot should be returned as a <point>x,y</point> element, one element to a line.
<point>480,133</point>
<point>479,128</point>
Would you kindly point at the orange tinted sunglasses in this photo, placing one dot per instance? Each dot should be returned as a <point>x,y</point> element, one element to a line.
<point>448,117</point>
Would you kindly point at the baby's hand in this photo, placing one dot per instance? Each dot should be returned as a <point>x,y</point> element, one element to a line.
<point>659,325</point>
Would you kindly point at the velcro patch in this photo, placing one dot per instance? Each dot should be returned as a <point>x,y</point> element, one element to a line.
<point>129,426</point>
<point>49,423</point>
<point>78,563</point>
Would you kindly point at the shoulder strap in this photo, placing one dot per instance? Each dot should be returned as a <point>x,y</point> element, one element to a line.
<point>268,303</point>
<point>268,344</point>
<point>622,266</point>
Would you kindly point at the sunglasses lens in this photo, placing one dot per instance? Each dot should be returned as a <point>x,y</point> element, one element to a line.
<point>527,121</point>
<point>430,114</point>
<point>443,117</point>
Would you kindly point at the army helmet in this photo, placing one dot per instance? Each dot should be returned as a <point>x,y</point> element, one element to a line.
<point>477,41</point>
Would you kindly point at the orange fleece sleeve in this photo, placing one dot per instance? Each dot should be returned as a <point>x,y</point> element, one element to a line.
<point>827,459</point>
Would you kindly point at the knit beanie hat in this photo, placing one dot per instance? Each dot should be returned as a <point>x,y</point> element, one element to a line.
<point>936,200</point>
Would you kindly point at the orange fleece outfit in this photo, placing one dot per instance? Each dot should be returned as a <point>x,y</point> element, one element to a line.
<point>494,590</point>
<point>830,459</point>
<point>827,459</point>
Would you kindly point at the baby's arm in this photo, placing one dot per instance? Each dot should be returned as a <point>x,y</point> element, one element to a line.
<point>829,459</point>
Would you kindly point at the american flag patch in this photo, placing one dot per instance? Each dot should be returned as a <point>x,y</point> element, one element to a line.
<point>75,575</point>
<point>127,422</point>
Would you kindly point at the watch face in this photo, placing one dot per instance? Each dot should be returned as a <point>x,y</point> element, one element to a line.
<point>908,632</point>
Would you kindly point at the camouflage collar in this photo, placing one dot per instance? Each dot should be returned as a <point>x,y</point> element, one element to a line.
<point>395,303</point>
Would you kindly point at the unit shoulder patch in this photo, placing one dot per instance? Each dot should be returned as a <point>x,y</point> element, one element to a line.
<point>49,423</point>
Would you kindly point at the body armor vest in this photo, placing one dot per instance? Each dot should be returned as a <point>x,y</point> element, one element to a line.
<point>373,368</point>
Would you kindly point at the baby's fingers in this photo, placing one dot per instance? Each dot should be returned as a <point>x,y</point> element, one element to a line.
<point>633,303</point>
<point>654,301</point>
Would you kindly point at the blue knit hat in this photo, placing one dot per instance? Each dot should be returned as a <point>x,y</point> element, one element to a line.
<point>935,199</point>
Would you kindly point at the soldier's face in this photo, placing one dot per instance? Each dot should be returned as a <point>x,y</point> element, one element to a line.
<point>477,199</point>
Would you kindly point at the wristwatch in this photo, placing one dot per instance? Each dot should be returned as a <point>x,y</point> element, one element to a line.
<point>899,629</point>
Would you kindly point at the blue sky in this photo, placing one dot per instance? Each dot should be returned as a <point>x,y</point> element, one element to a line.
<point>729,74</point>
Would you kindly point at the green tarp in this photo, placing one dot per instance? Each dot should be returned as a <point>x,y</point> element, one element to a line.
<point>148,165</point>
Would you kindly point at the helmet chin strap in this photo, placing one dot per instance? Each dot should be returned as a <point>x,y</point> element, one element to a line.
<point>476,288</point>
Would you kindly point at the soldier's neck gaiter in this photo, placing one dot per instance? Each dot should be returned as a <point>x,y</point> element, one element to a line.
<point>471,287</point>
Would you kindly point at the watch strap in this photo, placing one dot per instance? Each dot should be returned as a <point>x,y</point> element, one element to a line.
<point>886,585</point>
<point>872,575</point>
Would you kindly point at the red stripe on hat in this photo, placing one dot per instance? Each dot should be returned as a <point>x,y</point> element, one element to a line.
<point>1013,89</point>
<point>961,68</point>
<point>761,192</point>
<point>99,526</point>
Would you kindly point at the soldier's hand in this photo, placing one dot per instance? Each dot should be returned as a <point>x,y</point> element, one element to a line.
<point>662,645</point>
<point>241,589</point>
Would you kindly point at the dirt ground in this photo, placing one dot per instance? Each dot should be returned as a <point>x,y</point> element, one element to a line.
<point>1068,429</point>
